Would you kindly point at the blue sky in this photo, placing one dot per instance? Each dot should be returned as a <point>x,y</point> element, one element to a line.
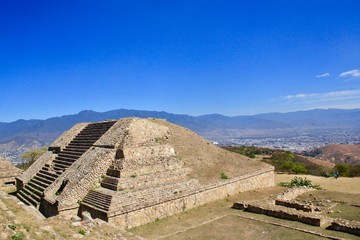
<point>192,57</point>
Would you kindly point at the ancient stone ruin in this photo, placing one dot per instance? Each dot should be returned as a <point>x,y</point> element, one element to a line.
<point>8,172</point>
<point>134,171</point>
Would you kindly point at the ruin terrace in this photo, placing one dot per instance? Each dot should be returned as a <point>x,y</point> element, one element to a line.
<point>133,171</point>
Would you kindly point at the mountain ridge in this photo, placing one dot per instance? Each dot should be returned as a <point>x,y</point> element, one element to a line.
<point>317,118</point>
<point>25,135</point>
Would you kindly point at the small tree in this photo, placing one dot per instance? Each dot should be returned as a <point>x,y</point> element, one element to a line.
<point>31,156</point>
<point>343,169</point>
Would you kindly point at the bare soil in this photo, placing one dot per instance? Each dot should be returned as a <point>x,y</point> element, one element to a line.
<point>195,152</point>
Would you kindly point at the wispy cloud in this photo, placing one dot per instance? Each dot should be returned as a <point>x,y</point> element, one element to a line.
<point>352,73</point>
<point>324,97</point>
<point>323,75</point>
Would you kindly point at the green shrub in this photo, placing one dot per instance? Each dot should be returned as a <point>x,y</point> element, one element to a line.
<point>223,176</point>
<point>18,236</point>
<point>299,182</point>
<point>82,232</point>
<point>12,226</point>
<point>343,169</point>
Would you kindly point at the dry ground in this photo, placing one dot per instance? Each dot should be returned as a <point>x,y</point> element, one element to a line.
<point>216,220</point>
<point>342,184</point>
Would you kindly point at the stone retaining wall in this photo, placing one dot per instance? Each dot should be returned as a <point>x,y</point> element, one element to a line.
<point>259,179</point>
<point>294,216</point>
<point>133,132</point>
<point>292,193</point>
<point>152,179</point>
<point>141,160</point>
<point>346,226</point>
<point>294,204</point>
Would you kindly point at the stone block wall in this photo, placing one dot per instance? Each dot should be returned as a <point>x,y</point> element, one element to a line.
<point>294,204</point>
<point>292,193</point>
<point>346,226</point>
<point>145,159</point>
<point>310,219</point>
<point>133,132</point>
<point>136,217</point>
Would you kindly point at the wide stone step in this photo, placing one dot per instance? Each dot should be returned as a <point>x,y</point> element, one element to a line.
<point>82,145</point>
<point>60,167</point>
<point>86,137</point>
<point>98,204</point>
<point>76,149</point>
<point>109,186</point>
<point>113,173</point>
<point>23,199</point>
<point>96,127</point>
<point>69,155</point>
<point>49,173</point>
<point>98,199</point>
<point>42,180</point>
<point>111,180</point>
<point>68,159</point>
<point>42,184</point>
<point>63,162</point>
<point>27,199</point>
<point>34,190</point>
<point>48,177</point>
<point>88,142</point>
<point>33,183</point>
<point>90,133</point>
<point>33,195</point>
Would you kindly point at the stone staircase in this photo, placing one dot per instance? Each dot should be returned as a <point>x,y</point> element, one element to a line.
<point>97,204</point>
<point>32,192</point>
<point>111,180</point>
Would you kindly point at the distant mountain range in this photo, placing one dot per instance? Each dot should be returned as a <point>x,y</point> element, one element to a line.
<point>23,135</point>
<point>45,131</point>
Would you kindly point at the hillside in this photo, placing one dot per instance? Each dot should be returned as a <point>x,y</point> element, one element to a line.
<point>338,153</point>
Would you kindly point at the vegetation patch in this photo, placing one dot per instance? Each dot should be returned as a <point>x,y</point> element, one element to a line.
<point>12,226</point>
<point>347,170</point>
<point>299,182</point>
<point>18,236</point>
<point>223,176</point>
<point>283,161</point>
